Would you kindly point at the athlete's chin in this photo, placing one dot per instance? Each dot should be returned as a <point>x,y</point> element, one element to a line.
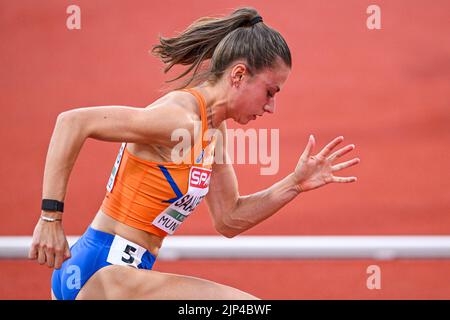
<point>244,120</point>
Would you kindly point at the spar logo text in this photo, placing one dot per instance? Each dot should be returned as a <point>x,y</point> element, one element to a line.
<point>200,178</point>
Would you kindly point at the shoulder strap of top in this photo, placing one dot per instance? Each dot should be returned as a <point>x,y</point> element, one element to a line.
<point>203,116</point>
<point>202,105</point>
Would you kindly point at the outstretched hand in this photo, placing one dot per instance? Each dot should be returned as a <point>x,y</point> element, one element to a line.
<point>315,171</point>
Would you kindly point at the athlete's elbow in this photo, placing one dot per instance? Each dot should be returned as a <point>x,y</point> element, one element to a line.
<point>71,121</point>
<point>228,233</point>
<point>226,228</point>
<point>64,118</point>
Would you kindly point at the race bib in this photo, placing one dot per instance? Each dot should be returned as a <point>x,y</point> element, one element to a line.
<point>172,217</point>
<point>125,253</point>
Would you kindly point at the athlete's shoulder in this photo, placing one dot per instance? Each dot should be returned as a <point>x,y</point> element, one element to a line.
<point>181,105</point>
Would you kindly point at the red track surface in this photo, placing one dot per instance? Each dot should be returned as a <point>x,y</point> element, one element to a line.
<point>385,90</point>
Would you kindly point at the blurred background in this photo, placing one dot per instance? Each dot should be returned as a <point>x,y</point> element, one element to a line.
<point>386,90</point>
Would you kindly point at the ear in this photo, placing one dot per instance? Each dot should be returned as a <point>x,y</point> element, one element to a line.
<point>237,74</point>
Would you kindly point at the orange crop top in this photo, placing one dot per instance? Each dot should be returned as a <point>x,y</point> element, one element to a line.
<point>158,196</point>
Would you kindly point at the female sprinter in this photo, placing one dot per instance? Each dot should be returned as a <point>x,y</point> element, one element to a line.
<point>148,194</point>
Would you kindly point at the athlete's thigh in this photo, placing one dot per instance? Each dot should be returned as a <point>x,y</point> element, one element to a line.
<point>119,282</point>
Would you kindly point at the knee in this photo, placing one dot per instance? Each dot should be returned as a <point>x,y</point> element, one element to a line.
<point>230,293</point>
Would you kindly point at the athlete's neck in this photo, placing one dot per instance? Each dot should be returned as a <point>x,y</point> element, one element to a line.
<point>216,103</point>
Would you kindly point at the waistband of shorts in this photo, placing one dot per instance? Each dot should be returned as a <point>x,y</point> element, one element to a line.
<point>106,239</point>
<point>98,236</point>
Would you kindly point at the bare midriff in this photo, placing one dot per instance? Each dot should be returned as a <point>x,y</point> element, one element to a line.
<point>105,223</point>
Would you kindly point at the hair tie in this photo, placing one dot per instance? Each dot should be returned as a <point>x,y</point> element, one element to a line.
<point>255,20</point>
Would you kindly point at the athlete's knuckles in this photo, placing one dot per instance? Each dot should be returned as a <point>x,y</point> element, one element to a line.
<point>35,244</point>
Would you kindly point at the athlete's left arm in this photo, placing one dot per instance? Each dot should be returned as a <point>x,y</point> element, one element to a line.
<point>233,214</point>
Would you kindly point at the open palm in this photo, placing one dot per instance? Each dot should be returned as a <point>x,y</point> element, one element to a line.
<point>313,172</point>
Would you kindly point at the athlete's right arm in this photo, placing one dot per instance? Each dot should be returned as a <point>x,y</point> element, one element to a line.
<point>111,123</point>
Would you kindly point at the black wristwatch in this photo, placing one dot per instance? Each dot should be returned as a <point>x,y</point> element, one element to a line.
<point>52,205</point>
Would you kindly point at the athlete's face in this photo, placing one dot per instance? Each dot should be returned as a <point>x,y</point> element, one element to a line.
<point>254,94</point>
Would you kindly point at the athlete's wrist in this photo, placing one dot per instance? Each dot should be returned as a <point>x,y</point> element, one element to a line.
<point>51,214</point>
<point>295,184</point>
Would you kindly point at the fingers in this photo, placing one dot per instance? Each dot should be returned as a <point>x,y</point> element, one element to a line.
<point>41,255</point>
<point>307,153</point>
<point>344,165</point>
<point>50,255</point>
<point>61,255</point>
<point>58,261</point>
<point>67,253</point>
<point>329,147</point>
<point>53,258</point>
<point>341,152</point>
<point>344,179</point>
<point>59,258</point>
<point>33,253</point>
<point>49,245</point>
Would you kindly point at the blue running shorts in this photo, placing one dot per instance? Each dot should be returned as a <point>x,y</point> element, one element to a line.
<point>93,251</point>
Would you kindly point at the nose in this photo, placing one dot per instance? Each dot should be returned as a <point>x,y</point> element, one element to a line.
<point>270,107</point>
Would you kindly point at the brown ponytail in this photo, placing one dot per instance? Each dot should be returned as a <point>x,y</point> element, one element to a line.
<point>222,41</point>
